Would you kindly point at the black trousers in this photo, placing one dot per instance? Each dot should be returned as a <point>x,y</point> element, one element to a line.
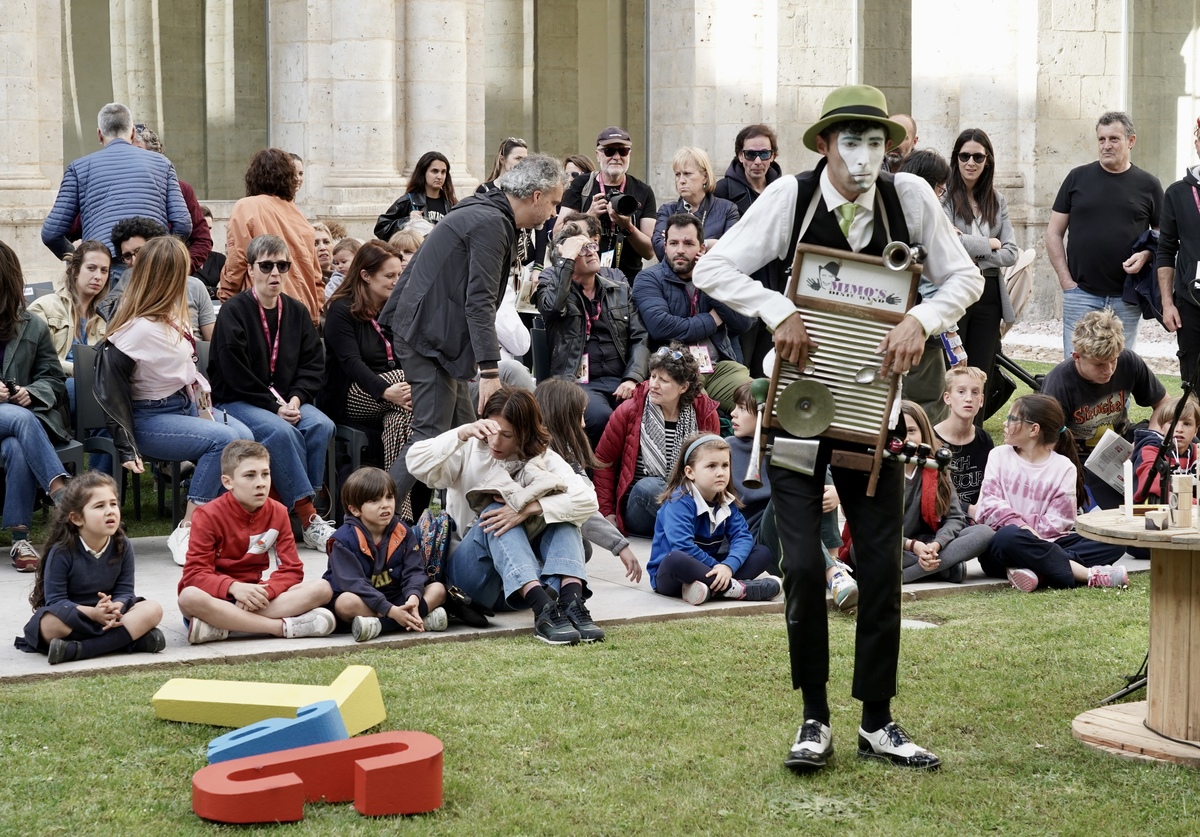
<point>1188,337</point>
<point>979,329</point>
<point>876,529</point>
<point>440,402</point>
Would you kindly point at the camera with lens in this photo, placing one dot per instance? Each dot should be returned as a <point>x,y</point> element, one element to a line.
<point>11,385</point>
<point>623,204</point>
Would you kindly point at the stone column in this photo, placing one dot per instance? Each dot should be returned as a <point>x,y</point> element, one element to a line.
<point>31,98</point>
<point>508,58</point>
<point>444,86</point>
<point>137,59</point>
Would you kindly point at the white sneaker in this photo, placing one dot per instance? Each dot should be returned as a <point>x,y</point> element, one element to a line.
<point>200,632</point>
<point>178,543</point>
<point>437,620</point>
<point>317,622</point>
<point>365,627</point>
<point>844,589</point>
<point>696,592</point>
<point>317,533</point>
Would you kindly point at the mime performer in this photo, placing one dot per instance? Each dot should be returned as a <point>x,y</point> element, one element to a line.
<point>848,205</point>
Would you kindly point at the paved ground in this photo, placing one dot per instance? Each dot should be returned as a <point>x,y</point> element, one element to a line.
<point>616,600</point>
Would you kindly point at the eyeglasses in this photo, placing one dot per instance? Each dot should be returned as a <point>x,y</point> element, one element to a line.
<point>977,157</point>
<point>139,127</point>
<point>281,266</point>
<point>763,154</point>
<point>614,150</point>
<point>515,141</point>
<point>127,258</point>
<point>1011,419</point>
<point>672,354</point>
<point>589,248</point>
<point>940,189</point>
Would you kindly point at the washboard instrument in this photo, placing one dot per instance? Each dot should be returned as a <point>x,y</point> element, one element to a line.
<point>849,302</point>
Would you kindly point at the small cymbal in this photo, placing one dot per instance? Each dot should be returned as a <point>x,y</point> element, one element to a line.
<point>805,408</point>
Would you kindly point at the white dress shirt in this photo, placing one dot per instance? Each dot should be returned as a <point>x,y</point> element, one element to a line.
<point>763,234</point>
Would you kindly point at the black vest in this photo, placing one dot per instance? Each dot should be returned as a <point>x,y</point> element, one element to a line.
<point>824,229</point>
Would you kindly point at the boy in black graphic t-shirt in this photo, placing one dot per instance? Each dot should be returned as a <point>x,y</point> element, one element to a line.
<point>965,395</point>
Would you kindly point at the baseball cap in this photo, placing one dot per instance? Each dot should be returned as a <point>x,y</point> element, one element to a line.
<point>611,135</point>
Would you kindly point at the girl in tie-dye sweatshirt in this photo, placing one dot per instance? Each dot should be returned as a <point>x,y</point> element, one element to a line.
<point>1029,496</point>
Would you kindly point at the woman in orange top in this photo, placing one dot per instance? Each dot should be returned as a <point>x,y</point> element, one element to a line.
<point>271,183</point>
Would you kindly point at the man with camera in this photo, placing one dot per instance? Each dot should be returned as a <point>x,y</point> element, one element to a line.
<point>844,204</point>
<point>624,205</point>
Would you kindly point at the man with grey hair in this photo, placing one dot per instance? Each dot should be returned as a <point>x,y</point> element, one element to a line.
<point>442,311</point>
<point>1104,209</point>
<point>119,181</point>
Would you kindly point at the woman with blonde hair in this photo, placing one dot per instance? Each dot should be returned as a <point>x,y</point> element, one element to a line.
<point>156,400</point>
<point>694,182</point>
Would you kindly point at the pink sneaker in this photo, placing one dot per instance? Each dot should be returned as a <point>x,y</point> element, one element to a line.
<point>1024,580</point>
<point>1114,576</point>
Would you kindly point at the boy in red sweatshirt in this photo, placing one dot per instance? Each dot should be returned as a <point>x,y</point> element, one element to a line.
<point>223,588</point>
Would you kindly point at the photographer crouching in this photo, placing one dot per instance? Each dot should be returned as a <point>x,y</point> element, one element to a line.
<point>624,205</point>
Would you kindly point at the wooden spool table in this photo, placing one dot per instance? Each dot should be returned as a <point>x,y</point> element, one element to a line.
<point>1144,729</point>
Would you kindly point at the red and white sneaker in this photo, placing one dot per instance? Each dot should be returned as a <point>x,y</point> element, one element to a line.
<point>1114,576</point>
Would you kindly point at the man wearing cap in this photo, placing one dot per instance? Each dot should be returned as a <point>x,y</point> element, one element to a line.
<point>624,239</point>
<point>845,204</point>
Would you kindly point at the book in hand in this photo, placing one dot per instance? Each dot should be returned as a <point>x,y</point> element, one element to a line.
<point>1107,457</point>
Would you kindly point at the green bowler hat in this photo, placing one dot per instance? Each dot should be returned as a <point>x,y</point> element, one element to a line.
<point>855,102</point>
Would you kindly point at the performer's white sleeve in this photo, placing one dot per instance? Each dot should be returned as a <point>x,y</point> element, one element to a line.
<point>759,238</point>
<point>947,264</point>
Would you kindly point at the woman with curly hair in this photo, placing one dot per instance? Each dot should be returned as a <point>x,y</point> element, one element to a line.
<point>641,441</point>
<point>271,183</point>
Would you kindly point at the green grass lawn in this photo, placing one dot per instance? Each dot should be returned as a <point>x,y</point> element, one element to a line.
<point>666,728</point>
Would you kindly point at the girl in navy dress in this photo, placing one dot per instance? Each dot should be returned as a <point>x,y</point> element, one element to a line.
<point>83,598</point>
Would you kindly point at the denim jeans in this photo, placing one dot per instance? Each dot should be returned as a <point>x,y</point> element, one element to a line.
<point>492,569</point>
<point>1077,302</point>
<point>29,461</point>
<point>169,429</point>
<point>297,450</point>
<point>641,510</point>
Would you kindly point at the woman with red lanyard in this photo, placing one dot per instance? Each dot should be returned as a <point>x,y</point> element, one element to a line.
<point>157,402</point>
<point>266,367</point>
<point>1176,263</point>
<point>363,384</point>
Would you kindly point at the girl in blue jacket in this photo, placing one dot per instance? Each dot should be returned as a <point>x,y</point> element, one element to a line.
<point>702,546</point>
<point>375,564</point>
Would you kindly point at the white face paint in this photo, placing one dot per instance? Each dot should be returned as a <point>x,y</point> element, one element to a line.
<point>855,161</point>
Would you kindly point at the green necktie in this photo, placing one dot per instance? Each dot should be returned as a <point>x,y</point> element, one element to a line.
<point>847,211</point>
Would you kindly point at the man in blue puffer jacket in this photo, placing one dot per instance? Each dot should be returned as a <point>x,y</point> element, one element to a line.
<point>119,181</point>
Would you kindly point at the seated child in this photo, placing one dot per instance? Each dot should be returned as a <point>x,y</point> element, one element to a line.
<point>965,394</point>
<point>759,511</point>
<point>1181,454</point>
<point>376,568</point>
<point>1030,497</point>
<point>222,588</point>
<point>937,539</point>
<point>83,598</point>
<point>702,546</point>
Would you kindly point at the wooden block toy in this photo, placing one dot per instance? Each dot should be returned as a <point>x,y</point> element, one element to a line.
<point>230,703</point>
<point>318,723</point>
<point>384,773</point>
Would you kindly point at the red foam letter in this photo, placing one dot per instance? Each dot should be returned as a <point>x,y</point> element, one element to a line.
<point>384,773</point>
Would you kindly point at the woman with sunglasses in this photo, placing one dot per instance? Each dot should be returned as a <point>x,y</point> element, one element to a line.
<point>266,366</point>
<point>157,403</point>
<point>694,182</point>
<point>980,216</point>
<point>429,195</point>
<point>595,334</point>
<point>642,440</point>
<point>269,207</point>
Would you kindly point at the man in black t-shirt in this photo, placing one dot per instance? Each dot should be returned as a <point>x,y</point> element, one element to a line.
<point>1104,206</point>
<point>624,239</point>
<point>1094,387</point>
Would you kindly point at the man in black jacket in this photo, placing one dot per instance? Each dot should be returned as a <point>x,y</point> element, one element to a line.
<point>443,309</point>
<point>595,333</point>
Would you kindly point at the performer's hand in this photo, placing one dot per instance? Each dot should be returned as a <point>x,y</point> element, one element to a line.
<point>902,347</point>
<point>792,342</point>
<point>721,574</point>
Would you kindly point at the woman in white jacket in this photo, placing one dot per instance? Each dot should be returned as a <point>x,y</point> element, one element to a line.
<point>525,548</point>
